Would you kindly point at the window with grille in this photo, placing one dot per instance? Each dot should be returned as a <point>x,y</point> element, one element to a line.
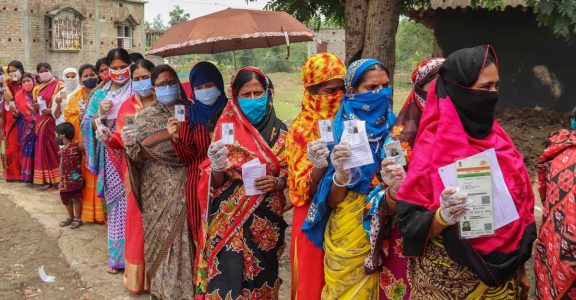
<point>124,36</point>
<point>65,31</point>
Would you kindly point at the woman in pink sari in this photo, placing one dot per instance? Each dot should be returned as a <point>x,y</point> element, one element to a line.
<point>12,84</point>
<point>46,160</point>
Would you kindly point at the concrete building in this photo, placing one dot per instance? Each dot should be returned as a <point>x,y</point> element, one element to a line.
<point>331,40</point>
<point>68,33</point>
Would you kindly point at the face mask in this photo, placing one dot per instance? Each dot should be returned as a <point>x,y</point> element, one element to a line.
<point>254,108</point>
<point>91,82</point>
<point>168,95</point>
<point>59,141</point>
<point>326,105</point>
<point>28,87</point>
<point>121,76</point>
<point>143,87</point>
<point>475,109</point>
<point>69,83</point>
<point>45,76</point>
<point>207,96</point>
<point>16,76</point>
<point>105,77</point>
<point>573,123</point>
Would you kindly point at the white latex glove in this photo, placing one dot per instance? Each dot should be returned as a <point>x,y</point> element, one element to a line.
<point>129,136</point>
<point>341,154</point>
<point>218,155</point>
<point>393,175</point>
<point>318,153</point>
<point>453,205</point>
<point>103,134</point>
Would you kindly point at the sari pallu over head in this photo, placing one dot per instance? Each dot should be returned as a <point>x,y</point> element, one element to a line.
<point>379,119</point>
<point>442,140</point>
<point>318,69</point>
<point>252,141</point>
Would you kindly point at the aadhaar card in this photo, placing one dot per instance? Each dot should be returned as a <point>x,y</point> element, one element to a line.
<point>130,121</point>
<point>180,112</point>
<point>228,133</point>
<point>474,177</point>
<point>326,131</point>
<point>394,151</point>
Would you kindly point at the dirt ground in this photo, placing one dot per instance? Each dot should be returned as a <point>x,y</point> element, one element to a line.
<point>30,235</point>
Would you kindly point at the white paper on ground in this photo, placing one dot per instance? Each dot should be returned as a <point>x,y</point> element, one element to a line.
<point>44,277</point>
<point>504,208</point>
<point>251,171</point>
<point>360,152</point>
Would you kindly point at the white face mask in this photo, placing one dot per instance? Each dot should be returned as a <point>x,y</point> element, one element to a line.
<point>69,83</point>
<point>207,96</point>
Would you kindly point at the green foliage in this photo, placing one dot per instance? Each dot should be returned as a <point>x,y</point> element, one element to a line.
<point>177,15</point>
<point>311,12</point>
<point>158,23</point>
<point>413,44</point>
<point>560,15</point>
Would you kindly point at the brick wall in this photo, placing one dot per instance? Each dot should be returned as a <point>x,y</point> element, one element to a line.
<point>331,40</point>
<point>23,26</point>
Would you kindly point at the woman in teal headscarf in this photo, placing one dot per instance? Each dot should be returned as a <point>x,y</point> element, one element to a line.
<point>335,217</point>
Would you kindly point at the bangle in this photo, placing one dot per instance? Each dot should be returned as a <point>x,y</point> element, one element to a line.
<point>440,219</point>
<point>338,184</point>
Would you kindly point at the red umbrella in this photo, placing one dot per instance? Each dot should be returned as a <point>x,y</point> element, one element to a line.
<point>229,30</point>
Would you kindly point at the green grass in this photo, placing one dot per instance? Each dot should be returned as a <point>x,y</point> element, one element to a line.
<point>289,91</point>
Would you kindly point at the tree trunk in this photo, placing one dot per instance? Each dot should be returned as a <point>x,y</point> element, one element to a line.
<point>381,27</point>
<point>371,27</point>
<point>355,25</point>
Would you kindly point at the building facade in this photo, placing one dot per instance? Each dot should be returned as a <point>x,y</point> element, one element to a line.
<point>68,33</point>
<point>329,40</point>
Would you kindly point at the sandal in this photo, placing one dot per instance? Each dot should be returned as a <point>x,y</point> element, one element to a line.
<point>112,270</point>
<point>76,223</point>
<point>66,222</point>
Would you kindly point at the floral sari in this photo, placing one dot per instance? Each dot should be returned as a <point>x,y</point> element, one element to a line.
<point>244,234</point>
<point>46,160</point>
<point>92,205</point>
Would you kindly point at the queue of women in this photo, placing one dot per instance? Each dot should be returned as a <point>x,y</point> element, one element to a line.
<point>186,220</point>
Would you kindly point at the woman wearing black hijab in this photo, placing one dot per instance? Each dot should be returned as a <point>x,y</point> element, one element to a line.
<point>458,122</point>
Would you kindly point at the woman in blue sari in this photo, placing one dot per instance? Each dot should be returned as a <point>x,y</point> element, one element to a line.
<point>335,217</point>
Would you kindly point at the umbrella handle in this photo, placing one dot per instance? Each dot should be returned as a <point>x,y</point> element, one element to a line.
<point>287,42</point>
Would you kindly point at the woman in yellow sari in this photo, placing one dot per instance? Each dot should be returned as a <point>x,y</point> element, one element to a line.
<point>335,218</point>
<point>92,207</point>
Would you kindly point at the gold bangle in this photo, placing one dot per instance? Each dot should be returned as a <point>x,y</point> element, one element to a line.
<point>440,219</point>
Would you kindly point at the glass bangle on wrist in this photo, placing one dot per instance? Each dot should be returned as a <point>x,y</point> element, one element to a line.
<point>339,184</point>
<point>439,218</point>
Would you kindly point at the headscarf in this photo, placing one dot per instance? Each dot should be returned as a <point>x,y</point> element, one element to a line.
<point>406,125</point>
<point>379,119</point>
<point>70,89</point>
<point>475,108</point>
<point>317,69</point>
<point>202,73</point>
<point>441,140</point>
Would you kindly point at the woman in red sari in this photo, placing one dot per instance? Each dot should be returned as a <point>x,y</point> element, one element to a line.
<point>135,279</point>
<point>46,160</point>
<point>555,257</point>
<point>13,156</point>
<point>26,126</point>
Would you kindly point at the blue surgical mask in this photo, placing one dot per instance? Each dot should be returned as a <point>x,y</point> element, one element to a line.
<point>207,96</point>
<point>142,87</point>
<point>254,108</point>
<point>168,95</point>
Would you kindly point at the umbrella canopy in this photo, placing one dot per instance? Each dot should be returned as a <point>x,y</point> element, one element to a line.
<point>231,29</point>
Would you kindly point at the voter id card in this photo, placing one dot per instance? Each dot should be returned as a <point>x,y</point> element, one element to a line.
<point>228,133</point>
<point>326,131</point>
<point>351,133</point>
<point>393,150</point>
<point>180,112</point>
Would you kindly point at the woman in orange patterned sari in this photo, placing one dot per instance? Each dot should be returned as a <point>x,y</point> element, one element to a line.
<point>92,207</point>
<point>323,77</point>
<point>245,234</point>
